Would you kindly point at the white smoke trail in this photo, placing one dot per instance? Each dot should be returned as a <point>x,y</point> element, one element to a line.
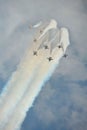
<point>37,25</point>
<point>19,82</point>
<point>44,72</point>
<point>53,24</point>
<point>18,99</point>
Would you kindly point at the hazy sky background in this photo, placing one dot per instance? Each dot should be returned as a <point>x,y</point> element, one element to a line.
<point>62,103</point>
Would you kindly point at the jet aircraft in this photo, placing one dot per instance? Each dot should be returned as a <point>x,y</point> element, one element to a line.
<point>46,47</point>
<point>59,46</point>
<point>65,55</point>
<point>49,58</point>
<point>35,53</point>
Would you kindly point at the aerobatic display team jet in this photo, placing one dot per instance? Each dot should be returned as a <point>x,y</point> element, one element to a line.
<point>46,47</point>
<point>50,58</point>
<point>35,53</point>
<point>65,55</point>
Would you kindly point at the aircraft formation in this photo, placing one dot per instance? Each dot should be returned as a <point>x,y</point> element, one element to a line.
<point>50,58</point>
